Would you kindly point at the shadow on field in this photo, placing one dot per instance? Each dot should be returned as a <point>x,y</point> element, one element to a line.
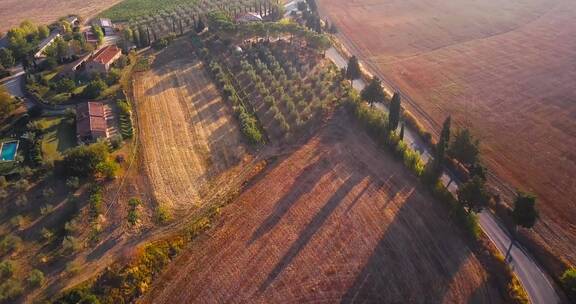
<point>314,226</point>
<point>303,184</point>
<point>415,261</point>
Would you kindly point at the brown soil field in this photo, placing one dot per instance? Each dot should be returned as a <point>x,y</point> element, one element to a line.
<point>188,135</point>
<point>504,68</point>
<point>12,12</point>
<point>337,220</point>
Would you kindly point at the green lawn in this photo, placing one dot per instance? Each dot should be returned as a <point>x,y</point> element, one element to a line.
<point>59,136</point>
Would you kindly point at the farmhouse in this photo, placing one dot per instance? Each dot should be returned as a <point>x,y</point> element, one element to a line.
<point>249,17</point>
<point>46,43</point>
<point>101,61</point>
<point>90,122</point>
<point>106,25</point>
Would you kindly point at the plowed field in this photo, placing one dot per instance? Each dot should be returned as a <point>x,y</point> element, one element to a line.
<point>12,12</point>
<point>504,68</point>
<point>188,134</point>
<point>337,220</point>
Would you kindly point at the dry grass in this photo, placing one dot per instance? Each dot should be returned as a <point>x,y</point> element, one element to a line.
<point>188,135</point>
<point>12,12</point>
<point>503,68</point>
<point>337,220</point>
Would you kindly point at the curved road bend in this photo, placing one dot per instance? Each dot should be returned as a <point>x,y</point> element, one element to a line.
<point>534,280</point>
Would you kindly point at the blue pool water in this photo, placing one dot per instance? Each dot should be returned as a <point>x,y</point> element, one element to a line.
<point>8,152</point>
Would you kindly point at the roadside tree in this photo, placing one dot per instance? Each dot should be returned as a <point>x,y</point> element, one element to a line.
<point>373,92</point>
<point>473,195</point>
<point>464,148</point>
<point>395,109</point>
<point>7,59</point>
<point>353,69</point>
<point>525,213</point>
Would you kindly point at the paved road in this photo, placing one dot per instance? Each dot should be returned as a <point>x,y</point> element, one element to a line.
<point>534,280</point>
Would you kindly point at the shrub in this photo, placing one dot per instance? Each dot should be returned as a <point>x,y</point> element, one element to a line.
<point>46,234</point>
<point>73,182</point>
<point>162,215</point>
<point>10,290</point>
<point>568,280</point>
<point>35,278</point>
<point>107,169</point>
<point>71,244</point>
<point>9,243</point>
<point>6,269</point>
<point>94,89</point>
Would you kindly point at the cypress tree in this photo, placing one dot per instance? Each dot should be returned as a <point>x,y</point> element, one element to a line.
<point>353,69</point>
<point>394,116</point>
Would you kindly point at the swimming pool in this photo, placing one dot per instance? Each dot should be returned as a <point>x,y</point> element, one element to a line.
<point>8,151</point>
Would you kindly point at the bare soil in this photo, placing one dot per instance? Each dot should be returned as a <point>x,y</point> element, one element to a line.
<point>188,135</point>
<point>12,12</point>
<point>338,220</point>
<point>503,68</point>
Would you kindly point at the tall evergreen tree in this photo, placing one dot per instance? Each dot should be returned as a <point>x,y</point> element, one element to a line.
<point>353,69</point>
<point>395,108</point>
<point>437,164</point>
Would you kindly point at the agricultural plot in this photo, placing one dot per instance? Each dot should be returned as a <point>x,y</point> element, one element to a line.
<point>335,221</point>
<point>12,12</point>
<point>187,134</point>
<point>153,20</point>
<point>147,10</point>
<point>286,85</point>
<point>503,68</point>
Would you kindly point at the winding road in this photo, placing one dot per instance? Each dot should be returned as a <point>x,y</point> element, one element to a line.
<point>534,280</point>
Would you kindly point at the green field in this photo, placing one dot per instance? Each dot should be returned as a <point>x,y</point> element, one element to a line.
<point>58,136</point>
<point>130,9</point>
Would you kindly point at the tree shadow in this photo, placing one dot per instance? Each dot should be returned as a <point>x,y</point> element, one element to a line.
<point>302,185</point>
<point>311,229</point>
<point>415,261</point>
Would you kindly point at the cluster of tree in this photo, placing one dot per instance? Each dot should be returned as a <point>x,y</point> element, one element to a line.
<point>248,122</point>
<point>277,80</point>
<point>24,39</point>
<point>91,161</point>
<point>7,103</point>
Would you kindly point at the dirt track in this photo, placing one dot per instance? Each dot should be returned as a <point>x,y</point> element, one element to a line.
<point>503,68</point>
<point>338,220</point>
<point>188,135</point>
<point>12,12</point>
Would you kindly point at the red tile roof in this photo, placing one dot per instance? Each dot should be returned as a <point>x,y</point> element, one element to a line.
<point>106,54</point>
<point>90,120</point>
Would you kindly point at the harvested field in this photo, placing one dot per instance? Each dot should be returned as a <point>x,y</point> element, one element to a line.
<point>504,68</point>
<point>335,221</point>
<point>187,133</point>
<point>12,12</point>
